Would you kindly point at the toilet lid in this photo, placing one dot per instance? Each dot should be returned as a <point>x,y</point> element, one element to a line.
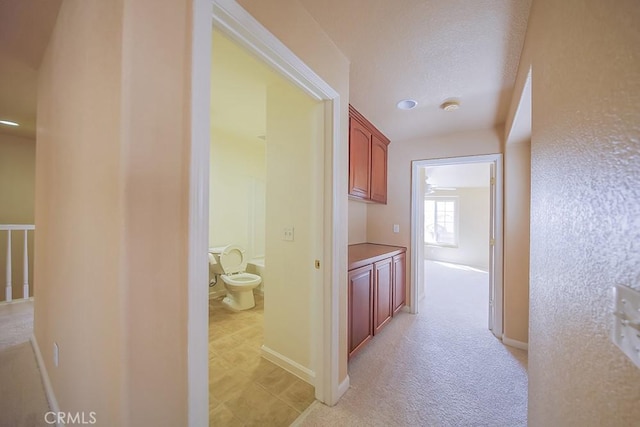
<point>232,260</point>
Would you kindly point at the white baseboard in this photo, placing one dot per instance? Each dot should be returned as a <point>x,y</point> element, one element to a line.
<point>343,387</point>
<point>513,343</point>
<point>48,389</point>
<point>305,374</point>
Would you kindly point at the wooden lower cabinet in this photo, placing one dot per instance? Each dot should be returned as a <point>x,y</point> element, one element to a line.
<point>360,307</point>
<point>399,283</point>
<point>376,293</point>
<point>382,291</point>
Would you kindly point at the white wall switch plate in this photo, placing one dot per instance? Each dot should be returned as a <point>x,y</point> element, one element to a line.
<point>396,228</point>
<point>287,234</point>
<point>626,322</point>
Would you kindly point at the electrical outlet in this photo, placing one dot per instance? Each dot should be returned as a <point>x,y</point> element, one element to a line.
<point>56,354</point>
<point>287,234</point>
<point>396,228</point>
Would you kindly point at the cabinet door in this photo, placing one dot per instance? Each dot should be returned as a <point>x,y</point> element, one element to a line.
<point>399,284</point>
<point>378,170</point>
<point>382,307</point>
<point>360,307</point>
<point>359,159</point>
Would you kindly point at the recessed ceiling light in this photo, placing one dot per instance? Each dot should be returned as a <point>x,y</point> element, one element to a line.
<point>450,105</point>
<point>8,123</point>
<point>407,104</point>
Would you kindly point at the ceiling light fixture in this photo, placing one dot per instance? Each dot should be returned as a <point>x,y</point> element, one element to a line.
<point>450,105</point>
<point>407,104</point>
<point>8,123</point>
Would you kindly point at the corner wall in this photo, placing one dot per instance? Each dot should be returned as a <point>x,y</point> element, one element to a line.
<point>357,222</point>
<point>517,194</point>
<point>585,209</point>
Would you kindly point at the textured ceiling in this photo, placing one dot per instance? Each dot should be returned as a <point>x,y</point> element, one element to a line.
<point>25,28</point>
<point>431,51</point>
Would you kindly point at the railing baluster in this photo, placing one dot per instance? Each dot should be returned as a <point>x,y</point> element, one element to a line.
<point>25,266</point>
<point>7,291</point>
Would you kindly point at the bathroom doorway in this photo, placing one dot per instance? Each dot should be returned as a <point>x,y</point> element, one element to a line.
<point>266,196</point>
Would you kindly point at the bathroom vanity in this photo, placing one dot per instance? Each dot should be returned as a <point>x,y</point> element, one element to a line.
<point>376,290</point>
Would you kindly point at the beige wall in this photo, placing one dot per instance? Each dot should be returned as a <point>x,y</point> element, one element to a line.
<point>293,26</point>
<point>473,235</point>
<point>79,210</point>
<point>517,186</point>
<point>237,193</point>
<point>17,195</point>
<point>357,222</point>
<point>111,210</point>
<point>380,218</point>
<point>585,209</point>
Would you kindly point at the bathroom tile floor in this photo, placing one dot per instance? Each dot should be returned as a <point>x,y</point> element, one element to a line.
<point>244,388</point>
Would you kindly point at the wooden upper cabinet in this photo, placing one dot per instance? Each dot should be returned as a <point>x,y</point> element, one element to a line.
<point>378,170</point>
<point>359,159</point>
<point>367,160</point>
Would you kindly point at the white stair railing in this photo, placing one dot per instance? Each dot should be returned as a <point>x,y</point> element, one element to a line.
<point>25,264</point>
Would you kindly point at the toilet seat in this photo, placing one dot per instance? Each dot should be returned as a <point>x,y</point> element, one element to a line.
<point>232,260</point>
<point>242,279</point>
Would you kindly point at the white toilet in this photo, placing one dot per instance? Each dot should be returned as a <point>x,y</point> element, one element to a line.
<point>231,264</point>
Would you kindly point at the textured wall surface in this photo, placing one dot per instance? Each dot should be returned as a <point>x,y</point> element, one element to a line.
<point>585,209</point>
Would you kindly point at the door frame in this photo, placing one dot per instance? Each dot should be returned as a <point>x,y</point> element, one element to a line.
<point>229,17</point>
<point>496,254</point>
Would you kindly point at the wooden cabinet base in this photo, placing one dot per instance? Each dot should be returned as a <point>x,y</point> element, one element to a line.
<point>376,291</point>
<point>360,303</point>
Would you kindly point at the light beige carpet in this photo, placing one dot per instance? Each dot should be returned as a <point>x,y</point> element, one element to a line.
<point>16,323</point>
<point>22,398</point>
<point>441,367</point>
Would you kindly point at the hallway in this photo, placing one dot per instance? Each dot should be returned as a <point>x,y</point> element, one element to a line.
<point>23,401</point>
<point>441,367</point>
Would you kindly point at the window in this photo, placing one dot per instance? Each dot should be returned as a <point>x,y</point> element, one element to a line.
<point>441,221</point>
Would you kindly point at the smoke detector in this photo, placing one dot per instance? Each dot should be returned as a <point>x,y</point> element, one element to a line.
<point>450,105</point>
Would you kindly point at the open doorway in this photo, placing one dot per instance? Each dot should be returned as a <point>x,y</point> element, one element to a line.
<point>243,29</point>
<point>456,234</point>
<point>267,138</point>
